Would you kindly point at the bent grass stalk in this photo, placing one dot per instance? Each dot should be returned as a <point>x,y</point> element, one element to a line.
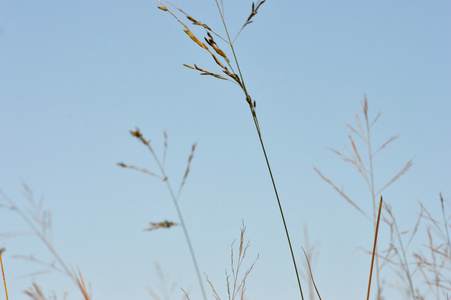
<point>312,280</point>
<point>224,63</point>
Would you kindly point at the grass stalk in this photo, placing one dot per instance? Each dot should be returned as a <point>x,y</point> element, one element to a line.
<point>257,127</point>
<point>174,197</point>
<point>374,248</point>
<point>279,204</point>
<point>225,65</point>
<point>40,223</point>
<point>364,166</point>
<point>188,240</point>
<point>182,222</point>
<point>311,276</point>
<point>3,273</point>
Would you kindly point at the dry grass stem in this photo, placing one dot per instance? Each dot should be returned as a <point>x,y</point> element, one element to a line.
<point>142,170</point>
<point>434,263</point>
<point>188,165</point>
<point>3,272</point>
<point>312,280</point>
<point>312,253</point>
<point>365,167</point>
<point>35,292</point>
<point>408,165</point>
<point>431,261</point>
<point>236,287</point>
<point>175,198</point>
<point>40,223</point>
<point>341,193</point>
<point>374,248</point>
<point>398,251</point>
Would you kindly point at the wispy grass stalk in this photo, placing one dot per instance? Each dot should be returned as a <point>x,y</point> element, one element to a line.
<point>40,224</point>
<point>397,253</point>
<point>175,197</point>
<point>434,259</point>
<point>365,169</point>
<point>312,280</point>
<point>236,283</point>
<point>227,68</point>
<point>311,253</point>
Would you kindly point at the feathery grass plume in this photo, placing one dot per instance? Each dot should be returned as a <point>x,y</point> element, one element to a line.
<point>40,223</point>
<point>175,197</point>
<point>3,272</point>
<point>227,67</point>
<point>236,287</point>
<point>365,169</point>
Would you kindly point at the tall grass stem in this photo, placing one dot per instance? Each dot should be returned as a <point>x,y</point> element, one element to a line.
<point>254,116</point>
<point>280,205</point>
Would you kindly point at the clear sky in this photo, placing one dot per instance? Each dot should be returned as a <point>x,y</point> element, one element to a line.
<point>76,76</point>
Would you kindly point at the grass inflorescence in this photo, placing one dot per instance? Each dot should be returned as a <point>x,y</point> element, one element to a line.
<point>228,67</point>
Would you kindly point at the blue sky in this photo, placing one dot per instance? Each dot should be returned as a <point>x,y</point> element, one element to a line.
<point>75,77</point>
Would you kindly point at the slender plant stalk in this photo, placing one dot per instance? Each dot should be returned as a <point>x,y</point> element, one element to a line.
<point>185,231</point>
<point>374,249</point>
<point>174,198</point>
<point>311,276</point>
<point>257,127</point>
<point>219,55</point>
<point>445,222</point>
<point>3,273</point>
<point>280,206</point>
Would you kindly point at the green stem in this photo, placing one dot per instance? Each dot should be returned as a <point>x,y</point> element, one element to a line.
<point>254,115</point>
<point>257,126</point>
